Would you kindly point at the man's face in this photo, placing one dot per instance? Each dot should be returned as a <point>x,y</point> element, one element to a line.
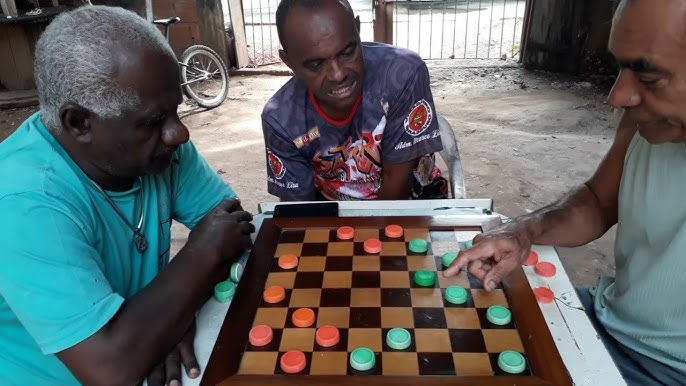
<point>648,40</point>
<point>143,140</point>
<point>323,49</point>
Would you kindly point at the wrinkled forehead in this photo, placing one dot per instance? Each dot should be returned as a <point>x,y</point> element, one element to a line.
<point>650,29</point>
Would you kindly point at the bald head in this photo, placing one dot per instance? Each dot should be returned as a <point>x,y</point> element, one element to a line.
<point>286,6</point>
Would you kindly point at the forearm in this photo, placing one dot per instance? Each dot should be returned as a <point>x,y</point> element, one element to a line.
<point>575,220</point>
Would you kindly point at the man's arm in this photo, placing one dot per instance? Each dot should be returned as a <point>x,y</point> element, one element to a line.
<point>396,181</point>
<point>580,217</point>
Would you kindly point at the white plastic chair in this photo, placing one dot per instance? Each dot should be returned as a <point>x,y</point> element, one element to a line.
<point>451,157</point>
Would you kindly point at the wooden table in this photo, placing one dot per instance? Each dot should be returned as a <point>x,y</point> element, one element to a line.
<point>582,351</point>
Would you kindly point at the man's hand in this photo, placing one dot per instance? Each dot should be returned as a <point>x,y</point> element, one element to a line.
<point>493,255</point>
<point>169,371</point>
<point>224,231</point>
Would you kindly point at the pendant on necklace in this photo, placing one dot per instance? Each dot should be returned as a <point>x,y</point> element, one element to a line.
<point>141,243</point>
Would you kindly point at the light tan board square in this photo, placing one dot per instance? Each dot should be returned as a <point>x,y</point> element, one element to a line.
<point>432,340</point>
<point>258,363</point>
<point>316,235</point>
<point>297,339</point>
<point>367,263</point>
<point>362,234</point>
<point>337,279</point>
<point>364,337</point>
<point>414,233</point>
<point>462,318</point>
<point>305,297</point>
<point>394,279</point>
<point>392,317</point>
<point>474,364</point>
<point>312,264</point>
<point>485,299</point>
<point>393,248</point>
<point>329,363</point>
<point>400,363</point>
<point>441,247</point>
<point>415,263</point>
<point>426,297</point>
<point>501,340</point>
<point>365,297</point>
<point>340,249</point>
<point>272,317</point>
<point>282,249</point>
<point>334,316</point>
<point>460,280</point>
<point>284,279</point>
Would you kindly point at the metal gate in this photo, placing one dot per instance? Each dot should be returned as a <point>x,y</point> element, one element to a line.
<point>447,29</point>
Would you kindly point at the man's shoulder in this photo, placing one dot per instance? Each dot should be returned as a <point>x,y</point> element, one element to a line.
<point>380,55</point>
<point>287,98</point>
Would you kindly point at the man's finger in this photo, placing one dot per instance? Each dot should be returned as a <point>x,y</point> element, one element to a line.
<point>241,216</point>
<point>480,251</point>
<point>190,362</point>
<point>476,268</point>
<point>157,376</point>
<point>229,205</point>
<point>498,272</point>
<point>172,367</point>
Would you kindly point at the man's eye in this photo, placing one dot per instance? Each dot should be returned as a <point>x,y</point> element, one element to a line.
<point>648,82</point>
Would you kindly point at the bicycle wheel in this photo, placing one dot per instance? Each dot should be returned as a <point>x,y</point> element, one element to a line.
<point>204,75</point>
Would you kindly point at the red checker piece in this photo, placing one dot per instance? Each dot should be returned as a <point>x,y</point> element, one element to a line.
<point>274,294</point>
<point>394,231</point>
<point>303,317</point>
<point>372,246</point>
<point>345,233</point>
<point>260,335</point>
<point>288,261</point>
<point>545,269</point>
<point>293,362</point>
<point>327,336</point>
<point>544,294</point>
<point>532,259</point>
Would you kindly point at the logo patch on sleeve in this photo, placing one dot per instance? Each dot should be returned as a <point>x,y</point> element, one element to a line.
<point>419,118</point>
<point>275,164</point>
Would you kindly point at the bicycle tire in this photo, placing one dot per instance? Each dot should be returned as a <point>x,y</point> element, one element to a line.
<point>207,52</point>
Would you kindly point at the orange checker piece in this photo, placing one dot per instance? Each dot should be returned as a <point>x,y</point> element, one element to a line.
<point>293,362</point>
<point>393,231</point>
<point>544,294</point>
<point>532,259</point>
<point>372,246</point>
<point>345,233</point>
<point>545,269</point>
<point>288,261</point>
<point>327,336</point>
<point>303,317</point>
<point>274,294</point>
<point>260,335</point>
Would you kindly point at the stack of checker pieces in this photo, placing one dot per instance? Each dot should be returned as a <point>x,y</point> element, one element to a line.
<point>364,295</point>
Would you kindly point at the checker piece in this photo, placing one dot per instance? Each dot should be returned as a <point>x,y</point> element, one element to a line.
<point>288,261</point>
<point>224,291</point>
<point>418,245</point>
<point>236,272</point>
<point>362,359</point>
<point>511,362</point>
<point>498,315</point>
<point>456,294</point>
<point>448,258</point>
<point>425,278</point>
<point>293,362</point>
<point>345,233</point>
<point>398,338</point>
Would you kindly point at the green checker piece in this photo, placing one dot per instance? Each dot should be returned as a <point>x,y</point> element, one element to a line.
<point>448,258</point>
<point>498,315</point>
<point>456,294</point>
<point>419,245</point>
<point>224,291</point>
<point>468,244</point>
<point>511,362</point>
<point>362,359</point>
<point>425,278</point>
<point>398,338</point>
<point>236,272</point>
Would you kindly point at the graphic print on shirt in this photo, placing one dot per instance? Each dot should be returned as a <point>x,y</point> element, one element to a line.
<point>419,118</point>
<point>308,137</point>
<point>352,161</point>
<point>276,165</point>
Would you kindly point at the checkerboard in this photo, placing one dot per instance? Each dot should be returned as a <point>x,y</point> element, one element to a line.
<point>365,295</point>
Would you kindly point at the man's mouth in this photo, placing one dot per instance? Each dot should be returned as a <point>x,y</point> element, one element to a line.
<point>343,91</point>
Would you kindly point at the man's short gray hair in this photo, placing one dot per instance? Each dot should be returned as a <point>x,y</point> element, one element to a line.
<point>76,60</point>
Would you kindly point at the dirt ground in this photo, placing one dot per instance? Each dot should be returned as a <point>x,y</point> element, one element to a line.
<point>525,138</point>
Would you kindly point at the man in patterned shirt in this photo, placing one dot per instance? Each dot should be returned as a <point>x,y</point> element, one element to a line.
<point>357,121</point>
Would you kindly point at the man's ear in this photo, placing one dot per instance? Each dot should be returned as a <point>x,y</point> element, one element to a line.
<point>284,57</point>
<point>357,23</point>
<point>76,121</point>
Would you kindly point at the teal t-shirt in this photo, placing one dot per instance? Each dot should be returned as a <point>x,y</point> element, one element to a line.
<point>67,260</point>
<point>643,306</point>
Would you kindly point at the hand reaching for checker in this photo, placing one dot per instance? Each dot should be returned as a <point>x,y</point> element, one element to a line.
<point>225,231</point>
<point>493,255</point>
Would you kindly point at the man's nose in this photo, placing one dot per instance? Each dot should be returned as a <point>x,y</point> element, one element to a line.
<point>336,72</point>
<point>175,133</point>
<point>626,91</point>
